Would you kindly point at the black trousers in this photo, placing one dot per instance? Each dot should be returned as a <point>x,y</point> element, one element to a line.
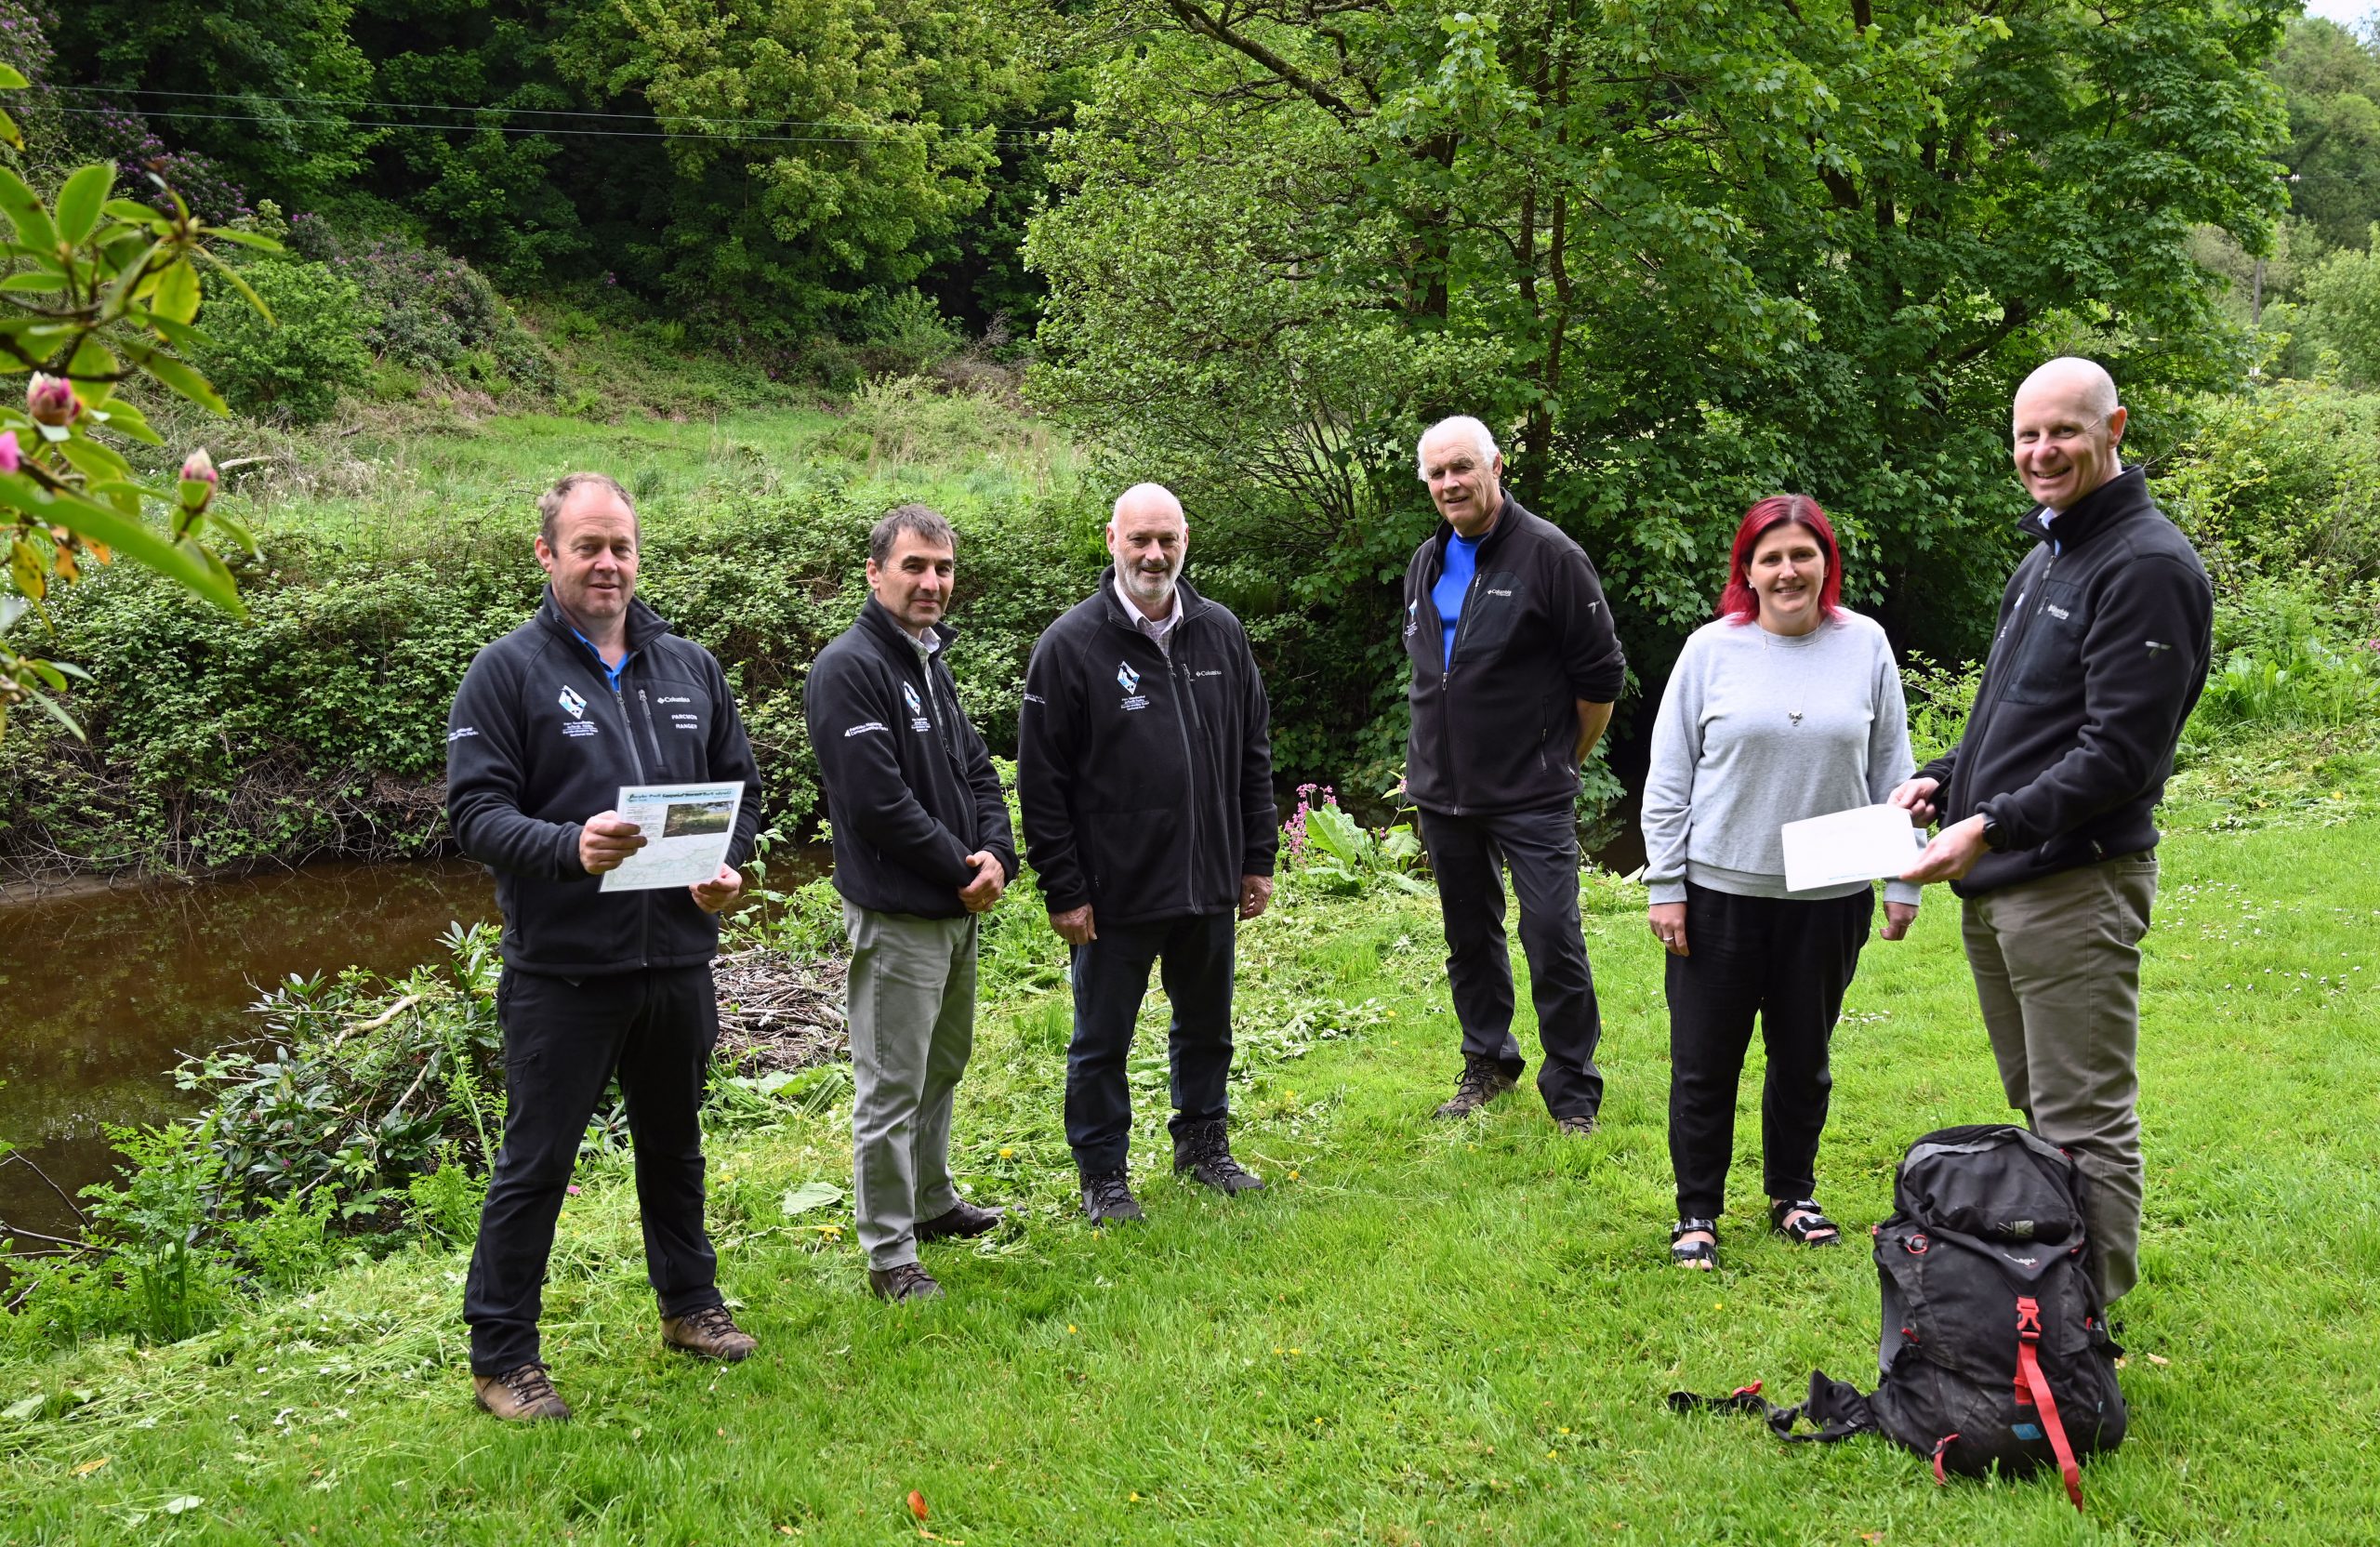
<point>1541,848</point>
<point>1111,977</point>
<point>1789,963</point>
<point>562,1042</point>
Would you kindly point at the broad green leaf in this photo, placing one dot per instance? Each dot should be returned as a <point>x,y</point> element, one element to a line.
<point>79,201</point>
<point>26,571</point>
<point>128,279</point>
<point>9,132</point>
<point>34,284</point>
<point>176,296</point>
<point>180,379</point>
<point>124,420</point>
<point>12,79</point>
<point>132,210</point>
<point>811,1196</point>
<point>233,527</point>
<point>95,460</point>
<point>135,539</point>
<point>91,362</point>
<point>25,212</point>
<point>182,336</point>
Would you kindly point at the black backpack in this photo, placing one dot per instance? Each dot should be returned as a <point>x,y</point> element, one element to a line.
<point>1995,1351</point>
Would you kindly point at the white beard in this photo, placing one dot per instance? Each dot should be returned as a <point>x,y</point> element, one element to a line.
<point>1154,591</point>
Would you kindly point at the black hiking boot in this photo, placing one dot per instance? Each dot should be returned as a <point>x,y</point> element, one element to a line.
<point>905,1283</point>
<point>1482,1080</point>
<point>1108,1197</point>
<point>1204,1152</point>
<point>963,1222</point>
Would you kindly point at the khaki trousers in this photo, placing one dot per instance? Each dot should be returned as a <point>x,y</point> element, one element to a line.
<point>2057,968</point>
<point>910,997</point>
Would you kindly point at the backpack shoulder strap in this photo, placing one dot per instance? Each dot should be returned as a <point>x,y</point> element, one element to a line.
<point>2033,1391</point>
<point>1834,1408</point>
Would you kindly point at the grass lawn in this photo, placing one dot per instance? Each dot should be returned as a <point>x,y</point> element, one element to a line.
<point>1421,1333</point>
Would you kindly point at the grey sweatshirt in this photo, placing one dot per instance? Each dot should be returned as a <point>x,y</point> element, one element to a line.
<point>1757,729</point>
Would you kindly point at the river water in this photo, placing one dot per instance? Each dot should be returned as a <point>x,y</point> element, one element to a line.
<point>100,993</point>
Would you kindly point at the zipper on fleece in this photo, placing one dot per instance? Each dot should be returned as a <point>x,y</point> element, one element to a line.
<point>644,899</point>
<point>660,760</point>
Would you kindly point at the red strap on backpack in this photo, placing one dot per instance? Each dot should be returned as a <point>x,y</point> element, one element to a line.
<point>2031,1379</point>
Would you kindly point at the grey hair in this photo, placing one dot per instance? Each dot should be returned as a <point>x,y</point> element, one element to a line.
<point>1482,443</point>
<point>549,503</point>
<point>923,522</point>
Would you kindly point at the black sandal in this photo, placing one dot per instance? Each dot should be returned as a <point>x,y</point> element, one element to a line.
<point>1811,1229</point>
<point>1704,1255</point>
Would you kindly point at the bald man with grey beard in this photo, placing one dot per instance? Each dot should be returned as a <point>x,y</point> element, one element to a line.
<point>2048,801</point>
<point>1145,774</point>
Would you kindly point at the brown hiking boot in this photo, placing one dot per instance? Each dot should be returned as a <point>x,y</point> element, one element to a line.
<point>1482,1080</point>
<point>962,1223</point>
<point>1574,1128</point>
<point>710,1333</point>
<point>522,1396</point>
<point>906,1282</point>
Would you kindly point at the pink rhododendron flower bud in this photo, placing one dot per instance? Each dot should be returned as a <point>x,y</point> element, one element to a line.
<point>199,481</point>
<point>12,455</point>
<point>52,399</point>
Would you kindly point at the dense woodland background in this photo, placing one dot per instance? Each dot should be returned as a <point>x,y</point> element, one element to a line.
<point>1009,254</point>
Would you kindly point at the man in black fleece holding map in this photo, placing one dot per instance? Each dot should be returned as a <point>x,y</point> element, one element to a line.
<point>2048,801</point>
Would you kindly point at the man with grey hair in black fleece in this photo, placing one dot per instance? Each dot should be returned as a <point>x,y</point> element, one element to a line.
<point>1515,668</point>
<point>2048,801</point>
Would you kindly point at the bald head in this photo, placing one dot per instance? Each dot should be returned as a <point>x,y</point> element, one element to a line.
<point>2065,428</point>
<point>2070,378</point>
<point>1149,539</point>
<point>1152,501</point>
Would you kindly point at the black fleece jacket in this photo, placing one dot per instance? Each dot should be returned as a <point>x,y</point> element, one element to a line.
<point>1145,776</point>
<point>539,740</point>
<point>1494,728</point>
<point>909,786</point>
<point>2105,634</point>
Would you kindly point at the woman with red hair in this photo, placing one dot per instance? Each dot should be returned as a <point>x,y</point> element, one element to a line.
<point>1787,707</point>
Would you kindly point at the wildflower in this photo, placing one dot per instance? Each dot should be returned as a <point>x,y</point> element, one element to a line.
<point>52,399</point>
<point>199,481</point>
<point>12,455</point>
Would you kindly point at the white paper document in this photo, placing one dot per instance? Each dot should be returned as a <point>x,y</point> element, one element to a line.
<point>1856,845</point>
<point>686,828</point>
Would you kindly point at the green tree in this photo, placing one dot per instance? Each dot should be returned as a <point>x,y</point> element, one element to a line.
<point>292,363</point>
<point>2341,315</point>
<point>2332,81</point>
<point>1683,256</point>
<point>269,90</point>
<point>826,150</point>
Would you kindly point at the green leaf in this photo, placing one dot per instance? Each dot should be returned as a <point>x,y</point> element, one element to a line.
<point>182,336</point>
<point>95,460</point>
<point>233,527</point>
<point>192,567</point>
<point>811,1196</point>
<point>93,362</point>
<point>79,201</point>
<point>23,1407</point>
<point>9,130</point>
<point>239,285</point>
<point>133,211</point>
<point>179,378</point>
<point>124,420</point>
<point>246,239</point>
<point>176,296</point>
<point>25,212</point>
<point>12,79</point>
<point>34,284</point>
<point>127,278</point>
<point>52,708</point>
